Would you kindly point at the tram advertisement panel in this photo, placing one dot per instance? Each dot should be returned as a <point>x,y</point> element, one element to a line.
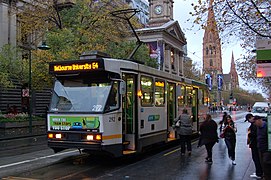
<point>66,123</point>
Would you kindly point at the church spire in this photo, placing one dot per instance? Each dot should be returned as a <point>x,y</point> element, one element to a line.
<point>212,56</point>
<point>233,74</point>
<point>233,69</point>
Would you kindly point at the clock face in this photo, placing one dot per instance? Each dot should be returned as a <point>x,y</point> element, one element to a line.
<point>158,9</point>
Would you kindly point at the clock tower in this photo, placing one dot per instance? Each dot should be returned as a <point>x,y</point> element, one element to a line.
<point>161,11</point>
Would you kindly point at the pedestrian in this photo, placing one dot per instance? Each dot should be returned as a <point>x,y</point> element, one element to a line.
<point>185,131</point>
<point>223,121</point>
<point>208,136</point>
<point>230,138</point>
<point>252,136</point>
<point>262,139</point>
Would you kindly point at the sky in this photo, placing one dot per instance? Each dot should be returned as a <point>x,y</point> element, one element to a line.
<point>181,9</point>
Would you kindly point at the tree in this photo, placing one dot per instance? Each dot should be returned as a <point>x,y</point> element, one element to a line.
<point>122,50</point>
<point>239,20</point>
<point>191,71</point>
<point>11,67</point>
<point>72,30</point>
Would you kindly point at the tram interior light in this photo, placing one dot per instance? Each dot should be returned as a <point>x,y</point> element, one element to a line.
<point>139,94</point>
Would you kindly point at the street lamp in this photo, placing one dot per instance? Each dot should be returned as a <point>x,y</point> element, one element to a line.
<point>43,46</point>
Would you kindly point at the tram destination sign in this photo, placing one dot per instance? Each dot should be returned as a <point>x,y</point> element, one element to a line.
<point>76,66</point>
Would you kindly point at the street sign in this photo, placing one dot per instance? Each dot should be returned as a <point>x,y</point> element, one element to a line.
<point>263,70</point>
<point>263,50</point>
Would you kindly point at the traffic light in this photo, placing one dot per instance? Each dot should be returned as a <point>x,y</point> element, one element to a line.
<point>259,74</point>
<point>231,96</point>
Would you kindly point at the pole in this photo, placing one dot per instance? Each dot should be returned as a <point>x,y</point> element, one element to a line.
<point>30,92</point>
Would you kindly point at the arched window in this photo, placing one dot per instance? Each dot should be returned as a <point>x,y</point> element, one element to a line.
<point>211,49</point>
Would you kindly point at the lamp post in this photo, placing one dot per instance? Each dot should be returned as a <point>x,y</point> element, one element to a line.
<point>43,46</point>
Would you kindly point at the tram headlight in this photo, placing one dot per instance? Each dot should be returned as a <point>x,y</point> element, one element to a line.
<point>58,136</point>
<point>90,137</point>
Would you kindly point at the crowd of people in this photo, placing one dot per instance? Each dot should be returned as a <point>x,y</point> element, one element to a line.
<point>257,139</point>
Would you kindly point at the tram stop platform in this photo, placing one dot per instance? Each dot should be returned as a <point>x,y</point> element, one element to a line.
<point>172,165</point>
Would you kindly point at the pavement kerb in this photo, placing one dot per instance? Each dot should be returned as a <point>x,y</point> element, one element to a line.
<point>22,142</point>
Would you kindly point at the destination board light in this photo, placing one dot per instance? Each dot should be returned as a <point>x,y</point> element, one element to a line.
<point>76,66</point>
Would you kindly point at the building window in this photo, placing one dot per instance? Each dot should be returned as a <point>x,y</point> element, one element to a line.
<point>211,62</point>
<point>172,59</point>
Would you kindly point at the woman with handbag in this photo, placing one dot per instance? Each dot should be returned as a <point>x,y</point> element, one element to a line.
<point>208,136</point>
<point>229,132</point>
<point>185,131</point>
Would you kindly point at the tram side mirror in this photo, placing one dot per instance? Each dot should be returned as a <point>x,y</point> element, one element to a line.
<point>178,90</point>
<point>122,87</point>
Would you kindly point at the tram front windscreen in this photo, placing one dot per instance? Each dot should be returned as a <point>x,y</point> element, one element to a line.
<point>75,95</point>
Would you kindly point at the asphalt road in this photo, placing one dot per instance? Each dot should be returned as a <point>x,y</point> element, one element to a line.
<point>39,162</point>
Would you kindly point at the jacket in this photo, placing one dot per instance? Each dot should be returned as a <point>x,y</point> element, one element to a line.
<point>229,131</point>
<point>262,138</point>
<point>252,135</point>
<point>208,132</point>
<point>185,125</point>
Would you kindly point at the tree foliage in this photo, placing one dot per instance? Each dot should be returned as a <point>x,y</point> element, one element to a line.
<point>11,67</point>
<point>191,71</point>
<point>122,50</point>
<point>71,30</point>
<point>243,97</point>
<point>242,21</point>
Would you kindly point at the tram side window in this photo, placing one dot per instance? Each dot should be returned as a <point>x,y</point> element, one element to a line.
<point>147,90</point>
<point>181,99</point>
<point>159,92</point>
<point>189,94</point>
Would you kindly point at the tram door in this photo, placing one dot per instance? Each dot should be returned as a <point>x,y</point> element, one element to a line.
<point>195,108</point>
<point>171,104</point>
<point>129,103</point>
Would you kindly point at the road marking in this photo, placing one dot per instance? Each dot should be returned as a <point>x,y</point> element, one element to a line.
<point>36,159</point>
<point>170,152</point>
<point>173,151</point>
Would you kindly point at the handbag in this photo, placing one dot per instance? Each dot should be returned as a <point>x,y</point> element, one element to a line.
<point>178,123</point>
<point>222,135</point>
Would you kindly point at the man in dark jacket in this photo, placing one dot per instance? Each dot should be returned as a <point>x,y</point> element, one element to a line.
<point>208,136</point>
<point>265,155</point>
<point>252,136</point>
